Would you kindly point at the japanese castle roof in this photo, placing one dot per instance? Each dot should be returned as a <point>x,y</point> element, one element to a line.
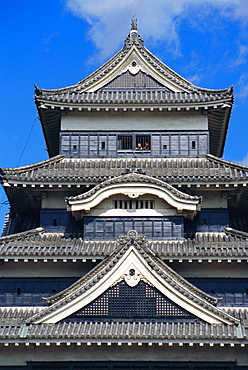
<point>59,170</point>
<point>20,325</point>
<point>40,245</point>
<point>14,330</point>
<point>174,87</point>
<point>114,86</point>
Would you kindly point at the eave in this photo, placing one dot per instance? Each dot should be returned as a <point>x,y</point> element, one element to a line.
<point>87,95</point>
<point>210,173</point>
<point>134,185</point>
<point>132,253</point>
<point>218,111</point>
<point>122,334</point>
<point>39,246</point>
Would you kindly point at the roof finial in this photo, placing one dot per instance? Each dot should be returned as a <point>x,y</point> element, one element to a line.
<point>134,23</point>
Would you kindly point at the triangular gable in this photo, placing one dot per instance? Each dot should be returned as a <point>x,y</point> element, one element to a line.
<point>139,59</point>
<point>123,300</point>
<point>133,263</point>
<point>137,81</point>
<point>133,57</point>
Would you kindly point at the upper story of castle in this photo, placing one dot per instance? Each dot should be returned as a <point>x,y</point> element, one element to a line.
<point>134,106</point>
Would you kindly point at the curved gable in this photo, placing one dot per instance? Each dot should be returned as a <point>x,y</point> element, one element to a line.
<point>134,185</point>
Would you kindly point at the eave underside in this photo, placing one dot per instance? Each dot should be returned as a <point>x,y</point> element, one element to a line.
<point>218,116</point>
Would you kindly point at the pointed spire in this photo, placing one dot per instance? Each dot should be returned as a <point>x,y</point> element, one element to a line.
<point>134,23</point>
<point>133,37</point>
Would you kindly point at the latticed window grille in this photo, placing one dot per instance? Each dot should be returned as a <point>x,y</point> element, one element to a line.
<point>142,300</point>
<point>134,204</point>
<point>125,142</point>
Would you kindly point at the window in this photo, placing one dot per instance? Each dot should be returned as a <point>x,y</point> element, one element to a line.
<point>134,142</point>
<point>193,144</point>
<point>134,204</point>
<point>103,145</point>
<point>50,219</point>
<point>212,220</point>
<point>125,142</point>
<point>143,142</point>
<point>110,228</point>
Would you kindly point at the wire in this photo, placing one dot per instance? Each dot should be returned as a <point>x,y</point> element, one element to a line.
<point>6,202</point>
<point>27,142</point>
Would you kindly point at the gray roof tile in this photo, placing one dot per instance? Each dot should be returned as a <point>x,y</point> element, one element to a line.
<point>139,242</point>
<point>171,170</point>
<point>135,97</point>
<point>39,244</point>
<point>123,331</point>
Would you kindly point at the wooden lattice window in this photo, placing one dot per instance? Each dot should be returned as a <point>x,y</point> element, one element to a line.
<point>125,142</point>
<point>143,300</point>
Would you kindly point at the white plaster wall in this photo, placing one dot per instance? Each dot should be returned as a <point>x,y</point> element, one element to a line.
<point>46,269</point>
<point>20,355</point>
<point>213,199</point>
<point>202,269</point>
<point>53,200</point>
<point>106,208</point>
<point>128,121</point>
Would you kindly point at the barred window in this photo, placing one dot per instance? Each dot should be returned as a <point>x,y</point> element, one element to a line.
<point>143,141</point>
<point>134,142</point>
<point>134,204</point>
<point>125,142</point>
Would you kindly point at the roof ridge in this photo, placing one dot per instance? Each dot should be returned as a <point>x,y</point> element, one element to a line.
<point>133,40</point>
<point>226,162</point>
<point>22,234</point>
<point>133,177</point>
<point>235,232</point>
<point>36,165</point>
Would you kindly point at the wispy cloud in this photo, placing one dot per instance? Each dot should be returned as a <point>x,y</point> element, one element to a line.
<point>242,86</point>
<point>244,160</point>
<point>158,20</point>
<point>242,56</point>
<point>47,41</point>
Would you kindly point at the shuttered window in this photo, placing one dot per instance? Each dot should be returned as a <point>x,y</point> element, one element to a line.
<point>110,228</point>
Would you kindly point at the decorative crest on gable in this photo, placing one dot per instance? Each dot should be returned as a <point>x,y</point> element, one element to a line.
<point>132,238</point>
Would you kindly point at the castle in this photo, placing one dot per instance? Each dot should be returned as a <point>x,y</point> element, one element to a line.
<point>128,247</point>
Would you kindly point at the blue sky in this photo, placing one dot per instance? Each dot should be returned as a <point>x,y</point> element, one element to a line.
<point>57,43</point>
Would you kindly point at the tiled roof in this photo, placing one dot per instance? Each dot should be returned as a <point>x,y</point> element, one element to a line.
<point>136,97</point>
<point>116,60</point>
<point>134,178</point>
<point>123,331</point>
<point>87,93</point>
<point>171,170</point>
<point>39,244</point>
<point>167,274</point>
<point>16,316</point>
<point>13,328</point>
